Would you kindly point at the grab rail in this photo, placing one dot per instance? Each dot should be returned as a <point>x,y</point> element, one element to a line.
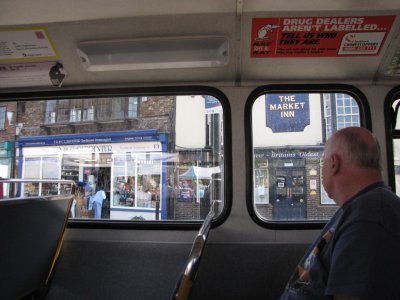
<point>184,285</point>
<point>53,181</point>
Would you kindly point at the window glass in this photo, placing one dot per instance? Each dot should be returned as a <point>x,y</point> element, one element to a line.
<point>154,157</point>
<point>289,131</point>
<point>63,111</point>
<point>88,111</point>
<point>118,108</point>
<point>133,107</point>
<point>50,115</point>
<point>3,110</point>
<point>396,158</point>
<point>396,109</point>
<point>396,144</point>
<point>104,109</point>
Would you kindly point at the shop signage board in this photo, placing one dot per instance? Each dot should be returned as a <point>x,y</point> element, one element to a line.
<point>98,138</point>
<point>319,36</point>
<point>95,148</point>
<point>287,112</point>
<point>289,154</point>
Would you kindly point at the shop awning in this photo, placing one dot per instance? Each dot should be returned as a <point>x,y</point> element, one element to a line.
<point>199,173</point>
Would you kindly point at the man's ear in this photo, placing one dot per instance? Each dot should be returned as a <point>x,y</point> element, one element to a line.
<point>335,164</point>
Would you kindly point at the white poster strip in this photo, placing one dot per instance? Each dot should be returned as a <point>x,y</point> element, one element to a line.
<point>21,45</point>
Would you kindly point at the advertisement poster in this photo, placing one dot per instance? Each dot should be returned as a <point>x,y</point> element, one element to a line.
<point>28,58</point>
<point>36,73</point>
<point>18,45</point>
<point>319,36</point>
<point>185,191</point>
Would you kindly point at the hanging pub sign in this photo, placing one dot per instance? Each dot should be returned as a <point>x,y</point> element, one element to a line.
<point>287,112</point>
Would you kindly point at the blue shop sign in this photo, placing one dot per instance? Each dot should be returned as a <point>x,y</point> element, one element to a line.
<point>287,112</point>
<point>93,138</point>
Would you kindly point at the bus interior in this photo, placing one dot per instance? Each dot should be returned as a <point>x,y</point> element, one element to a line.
<point>193,131</point>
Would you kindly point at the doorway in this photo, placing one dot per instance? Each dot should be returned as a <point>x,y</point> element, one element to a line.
<point>288,193</point>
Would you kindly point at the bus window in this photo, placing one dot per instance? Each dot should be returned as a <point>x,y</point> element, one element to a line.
<point>133,157</point>
<point>289,130</point>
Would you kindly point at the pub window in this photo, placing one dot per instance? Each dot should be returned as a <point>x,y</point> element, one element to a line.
<point>289,130</point>
<point>159,167</point>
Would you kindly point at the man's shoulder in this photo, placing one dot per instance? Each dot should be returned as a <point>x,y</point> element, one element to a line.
<point>379,205</point>
<point>379,197</point>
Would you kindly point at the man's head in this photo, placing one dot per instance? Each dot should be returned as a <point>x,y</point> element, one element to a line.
<point>352,159</point>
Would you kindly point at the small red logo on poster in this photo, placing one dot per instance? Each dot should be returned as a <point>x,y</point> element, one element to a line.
<point>39,35</point>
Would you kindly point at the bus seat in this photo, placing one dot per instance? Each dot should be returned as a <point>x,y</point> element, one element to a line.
<point>31,232</point>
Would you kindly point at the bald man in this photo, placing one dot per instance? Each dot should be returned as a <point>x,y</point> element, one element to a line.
<point>357,254</point>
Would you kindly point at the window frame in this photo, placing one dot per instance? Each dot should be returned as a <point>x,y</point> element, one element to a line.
<point>146,92</point>
<point>391,134</point>
<point>365,121</point>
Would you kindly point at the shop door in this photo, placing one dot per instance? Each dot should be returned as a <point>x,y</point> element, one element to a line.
<point>99,177</point>
<point>290,194</point>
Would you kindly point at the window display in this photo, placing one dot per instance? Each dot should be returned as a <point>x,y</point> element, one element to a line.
<point>136,180</point>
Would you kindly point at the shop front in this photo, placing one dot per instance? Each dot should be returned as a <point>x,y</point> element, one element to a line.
<point>128,166</point>
<point>287,182</point>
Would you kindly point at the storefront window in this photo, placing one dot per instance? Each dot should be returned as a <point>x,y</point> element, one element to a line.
<point>289,131</point>
<point>136,180</point>
<point>41,167</point>
<point>142,158</point>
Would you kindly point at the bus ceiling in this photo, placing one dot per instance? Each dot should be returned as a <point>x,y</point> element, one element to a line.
<point>54,44</point>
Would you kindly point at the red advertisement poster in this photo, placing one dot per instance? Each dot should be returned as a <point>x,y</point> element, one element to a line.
<point>319,36</point>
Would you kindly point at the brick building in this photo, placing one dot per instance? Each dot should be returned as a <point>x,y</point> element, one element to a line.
<point>72,124</point>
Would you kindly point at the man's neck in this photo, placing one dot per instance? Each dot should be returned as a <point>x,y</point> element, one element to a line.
<point>352,185</point>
